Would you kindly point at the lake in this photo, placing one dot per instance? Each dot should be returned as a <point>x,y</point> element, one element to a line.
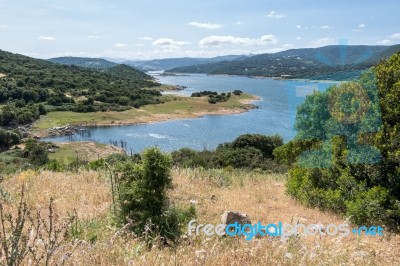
<point>275,115</point>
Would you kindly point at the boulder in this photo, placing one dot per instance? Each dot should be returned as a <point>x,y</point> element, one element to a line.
<point>230,217</point>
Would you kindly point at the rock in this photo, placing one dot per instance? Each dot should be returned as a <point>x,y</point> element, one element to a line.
<point>230,217</point>
<point>213,198</point>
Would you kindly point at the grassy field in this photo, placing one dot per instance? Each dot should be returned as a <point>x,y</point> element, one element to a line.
<point>262,196</point>
<point>87,151</point>
<point>174,107</point>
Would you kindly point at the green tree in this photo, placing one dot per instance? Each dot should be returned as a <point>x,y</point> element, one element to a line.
<point>142,194</point>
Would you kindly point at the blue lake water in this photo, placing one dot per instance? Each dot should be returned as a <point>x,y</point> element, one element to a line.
<point>275,115</point>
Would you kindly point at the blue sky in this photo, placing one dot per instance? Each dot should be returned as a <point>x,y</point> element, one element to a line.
<point>149,29</point>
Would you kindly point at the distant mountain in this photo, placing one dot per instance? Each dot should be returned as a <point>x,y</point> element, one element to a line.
<point>163,64</point>
<point>83,62</point>
<point>337,62</point>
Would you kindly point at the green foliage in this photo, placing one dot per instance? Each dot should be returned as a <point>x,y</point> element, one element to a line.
<point>247,151</point>
<point>237,92</point>
<point>340,172</point>
<point>213,97</point>
<point>371,207</point>
<point>8,139</point>
<point>265,144</point>
<point>36,152</point>
<point>31,81</point>
<point>142,197</point>
<point>288,153</point>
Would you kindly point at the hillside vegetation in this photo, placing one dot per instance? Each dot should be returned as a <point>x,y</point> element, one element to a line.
<point>337,62</point>
<point>31,87</point>
<point>83,62</point>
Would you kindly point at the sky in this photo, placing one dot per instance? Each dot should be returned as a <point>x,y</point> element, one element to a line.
<point>149,29</point>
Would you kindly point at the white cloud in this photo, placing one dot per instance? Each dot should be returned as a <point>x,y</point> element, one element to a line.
<point>298,38</point>
<point>121,45</point>
<point>325,27</point>
<point>239,23</point>
<point>231,40</point>
<point>169,43</point>
<point>146,38</point>
<point>273,14</point>
<point>3,27</point>
<point>395,36</point>
<point>322,42</point>
<point>384,42</point>
<point>46,38</point>
<point>94,37</point>
<point>298,26</point>
<point>208,26</point>
<point>360,27</point>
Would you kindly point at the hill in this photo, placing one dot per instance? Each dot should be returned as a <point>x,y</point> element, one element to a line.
<point>83,62</point>
<point>168,63</point>
<point>330,62</point>
<point>30,87</point>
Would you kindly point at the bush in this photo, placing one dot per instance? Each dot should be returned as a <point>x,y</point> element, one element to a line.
<point>8,139</point>
<point>265,144</point>
<point>36,152</point>
<point>142,197</point>
<point>372,207</point>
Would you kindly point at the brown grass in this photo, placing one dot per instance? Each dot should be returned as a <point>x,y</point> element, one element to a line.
<point>261,196</point>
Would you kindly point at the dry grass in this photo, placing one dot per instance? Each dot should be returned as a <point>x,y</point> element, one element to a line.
<point>261,196</point>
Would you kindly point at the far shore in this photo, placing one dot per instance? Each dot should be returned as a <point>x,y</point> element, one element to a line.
<point>178,107</point>
<point>275,78</point>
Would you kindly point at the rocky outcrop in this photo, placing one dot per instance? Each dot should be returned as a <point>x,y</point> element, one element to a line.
<point>67,130</point>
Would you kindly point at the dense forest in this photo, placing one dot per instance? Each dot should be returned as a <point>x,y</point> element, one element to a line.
<point>337,62</point>
<point>31,87</point>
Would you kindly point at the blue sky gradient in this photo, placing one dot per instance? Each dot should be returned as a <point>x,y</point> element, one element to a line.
<point>160,29</point>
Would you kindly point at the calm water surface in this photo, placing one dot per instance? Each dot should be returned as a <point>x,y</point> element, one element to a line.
<point>275,115</point>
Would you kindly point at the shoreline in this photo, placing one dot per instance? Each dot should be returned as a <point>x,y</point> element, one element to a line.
<point>273,78</point>
<point>247,105</point>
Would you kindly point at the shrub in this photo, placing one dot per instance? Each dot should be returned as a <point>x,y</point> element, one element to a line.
<point>372,207</point>
<point>36,152</point>
<point>142,197</point>
<point>265,144</point>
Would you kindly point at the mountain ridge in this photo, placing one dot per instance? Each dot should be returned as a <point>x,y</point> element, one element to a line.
<point>327,62</point>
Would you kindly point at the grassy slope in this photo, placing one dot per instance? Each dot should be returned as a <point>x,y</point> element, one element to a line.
<point>261,196</point>
<point>175,107</point>
<point>88,151</point>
